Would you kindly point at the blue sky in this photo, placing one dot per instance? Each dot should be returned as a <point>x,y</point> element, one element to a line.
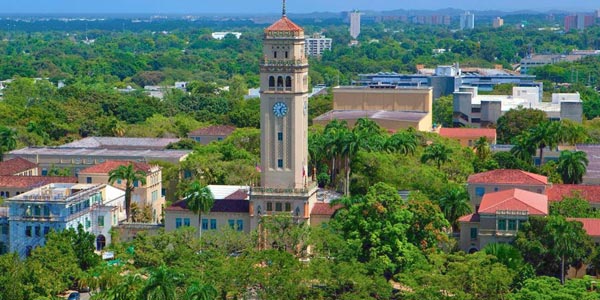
<point>272,6</point>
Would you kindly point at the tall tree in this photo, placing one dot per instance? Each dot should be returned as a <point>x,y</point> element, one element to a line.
<point>161,285</point>
<point>200,291</point>
<point>199,199</point>
<point>334,134</point>
<point>482,148</point>
<point>546,134</point>
<point>516,121</point>
<point>438,153</point>
<point>8,140</point>
<point>455,204</point>
<point>572,165</point>
<point>130,175</point>
<point>404,142</point>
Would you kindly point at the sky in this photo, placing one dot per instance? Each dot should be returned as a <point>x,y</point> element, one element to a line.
<point>274,6</point>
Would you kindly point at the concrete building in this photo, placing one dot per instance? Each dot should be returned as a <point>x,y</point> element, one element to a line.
<point>445,80</point>
<point>222,35</point>
<point>392,107</point>
<point>355,24</point>
<point>317,44</point>
<point>150,194</point>
<point>61,206</point>
<point>467,21</point>
<point>95,150</point>
<point>211,133</point>
<point>497,22</point>
<point>471,109</point>
<point>537,60</point>
<point>579,21</point>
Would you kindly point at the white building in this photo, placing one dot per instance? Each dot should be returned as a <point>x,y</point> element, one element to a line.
<point>317,44</point>
<point>60,206</point>
<point>355,24</point>
<point>222,35</point>
<point>467,20</point>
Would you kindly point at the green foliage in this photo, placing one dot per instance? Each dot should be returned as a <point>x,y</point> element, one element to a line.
<point>572,165</point>
<point>442,111</point>
<point>516,121</point>
<point>572,206</point>
<point>542,288</point>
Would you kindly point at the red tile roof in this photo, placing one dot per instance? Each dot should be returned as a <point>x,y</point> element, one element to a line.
<point>469,218</point>
<point>507,176</point>
<point>284,24</point>
<point>591,226</point>
<point>110,165</point>
<point>557,192</point>
<point>325,209</point>
<point>15,165</point>
<point>33,181</point>
<point>468,132</point>
<point>215,130</point>
<point>515,200</point>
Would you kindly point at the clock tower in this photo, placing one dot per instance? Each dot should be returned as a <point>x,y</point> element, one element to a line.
<point>285,185</point>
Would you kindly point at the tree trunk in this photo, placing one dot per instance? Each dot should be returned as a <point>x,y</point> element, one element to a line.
<point>128,204</point>
<point>562,270</point>
<point>200,227</point>
<point>541,156</point>
<point>333,171</point>
<point>347,176</point>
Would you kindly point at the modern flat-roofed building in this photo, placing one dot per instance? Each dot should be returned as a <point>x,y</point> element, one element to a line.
<point>14,185</point>
<point>222,35</point>
<point>208,134</point>
<point>471,109</point>
<point>537,60</point>
<point>150,194</point>
<point>91,151</point>
<point>467,20</point>
<point>60,206</point>
<point>392,107</point>
<point>317,44</point>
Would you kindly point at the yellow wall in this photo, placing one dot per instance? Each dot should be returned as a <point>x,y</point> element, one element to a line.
<point>418,99</point>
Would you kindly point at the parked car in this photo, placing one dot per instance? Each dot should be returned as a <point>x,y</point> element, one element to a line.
<point>74,296</point>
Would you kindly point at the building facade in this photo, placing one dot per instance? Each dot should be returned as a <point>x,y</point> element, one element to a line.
<point>150,194</point>
<point>497,22</point>
<point>211,133</point>
<point>18,166</point>
<point>317,44</point>
<point>355,24</point>
<point>60,206</point>
<point>467,21</point>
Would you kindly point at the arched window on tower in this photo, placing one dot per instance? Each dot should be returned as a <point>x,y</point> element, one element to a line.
<point>271,82</point>
<point>286,54</point>
<point>280,82</point>
<point>288,83</point>
<point>274,54</point>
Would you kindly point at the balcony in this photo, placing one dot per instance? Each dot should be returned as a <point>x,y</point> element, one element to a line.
<point>264,191</point>
<point>285,62</point>
<point>497,233</point>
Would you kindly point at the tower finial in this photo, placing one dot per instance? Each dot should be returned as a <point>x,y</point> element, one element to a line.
<point>283,10</point>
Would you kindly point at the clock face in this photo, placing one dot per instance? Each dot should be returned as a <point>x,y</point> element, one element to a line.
<point>280,109</point>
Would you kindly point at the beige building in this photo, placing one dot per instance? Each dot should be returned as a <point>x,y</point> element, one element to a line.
<point>211,133</point>
<point>230,210</point>
<point>393,108</point>
<point>149,194</point>
<point>18,167</point>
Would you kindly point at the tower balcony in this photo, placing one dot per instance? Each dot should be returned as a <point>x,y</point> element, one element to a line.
<point>310,187</point>
<point>285,62</point>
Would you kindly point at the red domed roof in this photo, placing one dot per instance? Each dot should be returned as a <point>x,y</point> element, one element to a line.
<point>284,24</point>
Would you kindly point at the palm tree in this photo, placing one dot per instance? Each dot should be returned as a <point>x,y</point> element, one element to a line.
<point>367,126</point>
<point>333,134</point>
<point>351,142</point>
<point>523,149</point>
<point>315,151</point>
<point>506,254</point>
<point>127,289</point>
<point>199,199</point>
<point>130,175</point>
<point>161,285</point>
<point>199,291</point>
<point>455,204</point>
<point>482,148</point>
<point>439,153</point>
<point>404,142</point>
<point>564,238</point>
<point>8,140</point>
<point>572,166</point>
<point>546,134</point>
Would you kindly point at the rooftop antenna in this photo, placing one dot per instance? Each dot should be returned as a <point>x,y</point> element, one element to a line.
<point>283,10</point>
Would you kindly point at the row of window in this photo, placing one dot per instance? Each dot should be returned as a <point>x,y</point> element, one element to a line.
<point>37,211</point>
<point>211,223</point>
<point>37,231</point>
<point>288,81</point>
<point>510,224</point>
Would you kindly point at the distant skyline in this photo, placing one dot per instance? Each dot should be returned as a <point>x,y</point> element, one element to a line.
<point>273,6</point>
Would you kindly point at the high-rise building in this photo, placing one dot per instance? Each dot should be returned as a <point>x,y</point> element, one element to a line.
<point>355,24</point>
<point>467,20</point>
<point>579,21</point>
<point>497,22</point>
<point>316,44</point>
<point>285,186</point>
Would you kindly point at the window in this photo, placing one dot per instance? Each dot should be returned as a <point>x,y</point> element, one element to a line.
<point>213,224</point>
<point>274,54</point>
<point>88,180</point>
<point>101,221</point>
<point>286,54</point>
<point>88,223</point>
<point>473,233</point>
<point>186,222</point>
<point>280,81</point>
<point>280,163</point>
<point>38,231</point>
<point>46,211</point>
<point>204,224</point>
<point>136,183</point>
<point>278,206</point>
<point>46,230</point>
<point>119,181</point>
<point>501,224</point>
<point>240,225</point>
<point>231,223</point>
<point>479,191</point>
<point>177,222</point>
<point>288,207</point>
<point>5,229</point>
<point>44,172</point>
<point>495,189</point>
<point>271,81</point>
<point>280,136</point>
<point>512,224</point>
<point>269,206</point>
<point>37,210</point>
<point>197,139</point>
<point>288,82</point>
<point>28,231</point>
<point>154,196</point>
<point>219,139</point>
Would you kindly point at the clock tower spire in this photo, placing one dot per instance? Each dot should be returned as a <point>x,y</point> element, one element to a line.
<point>285,185</point>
